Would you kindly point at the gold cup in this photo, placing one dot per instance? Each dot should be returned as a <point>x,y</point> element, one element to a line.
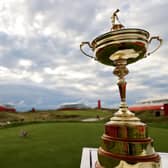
<point>125,143</point>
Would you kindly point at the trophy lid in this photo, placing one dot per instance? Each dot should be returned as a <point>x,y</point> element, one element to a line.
<point>120,43</point>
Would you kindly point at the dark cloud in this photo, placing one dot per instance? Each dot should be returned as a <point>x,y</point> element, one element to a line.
<point>33,96</point>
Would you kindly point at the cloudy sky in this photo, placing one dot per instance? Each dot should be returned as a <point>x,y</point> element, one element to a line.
<point>41,64</point>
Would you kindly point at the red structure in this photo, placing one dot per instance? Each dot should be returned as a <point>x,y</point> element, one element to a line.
<point>7,108</point>
<point>99,104</point>
<point>146,107</point>
<point>166,109</point>
<point>157,105</point>
<point>151,107</point>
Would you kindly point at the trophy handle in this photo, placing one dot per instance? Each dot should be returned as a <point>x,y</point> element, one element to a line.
<point>82,44</point>
<point>160,43</point>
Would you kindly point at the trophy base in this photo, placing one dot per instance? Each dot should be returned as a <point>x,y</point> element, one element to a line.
<point>126,144</point>
<point>123,164</point>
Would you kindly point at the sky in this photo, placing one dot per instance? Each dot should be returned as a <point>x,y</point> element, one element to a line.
<point>41,65</point>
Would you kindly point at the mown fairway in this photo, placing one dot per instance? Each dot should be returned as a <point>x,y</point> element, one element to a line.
<point>56,145</point>
<point>50,145</point>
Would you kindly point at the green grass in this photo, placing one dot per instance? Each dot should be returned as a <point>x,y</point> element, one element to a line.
<point>48,145</point>
<point>160,136</point>
<point>57,145</point>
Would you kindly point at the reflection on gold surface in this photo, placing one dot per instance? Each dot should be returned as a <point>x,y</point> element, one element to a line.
<point>124,54</point>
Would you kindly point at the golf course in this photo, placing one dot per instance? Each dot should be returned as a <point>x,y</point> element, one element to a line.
<point>59,144</point>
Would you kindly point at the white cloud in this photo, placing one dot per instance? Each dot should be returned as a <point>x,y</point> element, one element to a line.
<point>25,63</point>
<point>36,77</point>
<point>13,17</point>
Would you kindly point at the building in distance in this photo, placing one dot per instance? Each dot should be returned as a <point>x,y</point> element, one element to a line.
<point>72,106</point>
<point>157,105</point>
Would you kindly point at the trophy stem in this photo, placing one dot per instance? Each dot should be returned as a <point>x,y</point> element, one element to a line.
<point>121,71</point>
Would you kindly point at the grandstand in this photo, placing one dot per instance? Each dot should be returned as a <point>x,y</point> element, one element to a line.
<point>72,106</point>
<point>158,105</point>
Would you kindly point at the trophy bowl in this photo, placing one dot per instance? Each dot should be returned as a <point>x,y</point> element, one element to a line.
<point>129,44</point>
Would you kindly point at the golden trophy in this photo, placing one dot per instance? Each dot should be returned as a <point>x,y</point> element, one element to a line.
<point>125,142</point>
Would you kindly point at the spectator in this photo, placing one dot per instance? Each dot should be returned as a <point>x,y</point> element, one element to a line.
<point>23,133</point>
